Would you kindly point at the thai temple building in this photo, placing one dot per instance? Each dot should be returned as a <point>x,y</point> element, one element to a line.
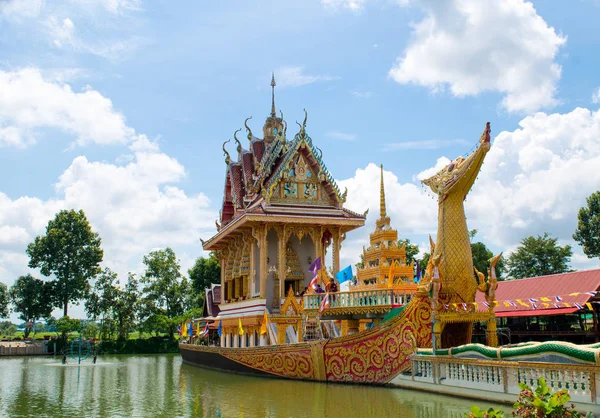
<point>281,210</point>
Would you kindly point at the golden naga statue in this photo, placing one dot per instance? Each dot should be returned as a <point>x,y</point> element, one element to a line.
<point>453,247</point>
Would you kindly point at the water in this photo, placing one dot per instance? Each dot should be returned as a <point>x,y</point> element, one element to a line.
<point>161,385</point>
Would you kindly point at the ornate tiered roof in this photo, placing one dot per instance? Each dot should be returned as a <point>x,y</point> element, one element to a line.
<point>279,175</point>
<point>384,256</point>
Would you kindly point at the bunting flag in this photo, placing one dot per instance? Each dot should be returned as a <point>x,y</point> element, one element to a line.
<point>241,329</point>
<point>446,306</point>
<point>496,303</point>
<point>574,294</point>
<point>511,303</point>
<point>486,304</point>
<point>591,293</point>
<point>589,305</point>
<point>220,329</point>
<point>522,303</point>
<point>532,300</point>
<point>477,305</point>
<point>534,306</point>
<point>506,304</point>
<point>556,305</point>
<point>545,299</point>
<point>344,275</point>
<point>324,303</point>
<point>558,298</point>
<point>566,304</point>
<point>263,326</point>
<point>546,305</point>
<point>464,305</point>
<point>578,306</point>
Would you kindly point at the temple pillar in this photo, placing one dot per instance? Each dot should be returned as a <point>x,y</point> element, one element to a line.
<point>223,264</point>
<point>353,326</point>
<point>228,340</point>
<point>263,340</point>
<point>281,333</point>
<point>260,234</point>
<point>491,334</point>
<point>337,246</point>
<point>251,343</point>
<point>235,340</point>
<point>252,272</point>
<point>436,339</point>
<point>243,341</point>
<point>363,324</point>
<point>299,330</point>
<point>222,339</point>
<point>279,291</point>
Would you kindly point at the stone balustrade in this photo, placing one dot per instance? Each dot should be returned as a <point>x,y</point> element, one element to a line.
<point>358,301</point>
<point>499,380</point>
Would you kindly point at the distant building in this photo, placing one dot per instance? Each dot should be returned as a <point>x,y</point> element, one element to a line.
<point>555,307</point>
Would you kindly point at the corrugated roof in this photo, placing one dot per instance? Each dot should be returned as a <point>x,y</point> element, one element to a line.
<point>570,287</point>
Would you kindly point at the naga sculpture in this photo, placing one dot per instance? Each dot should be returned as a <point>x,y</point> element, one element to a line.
<point>452,184</point>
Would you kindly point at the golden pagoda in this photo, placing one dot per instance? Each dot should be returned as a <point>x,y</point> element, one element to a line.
<point>384,262</point>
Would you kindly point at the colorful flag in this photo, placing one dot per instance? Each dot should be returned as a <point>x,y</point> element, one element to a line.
<point>532,300</point>
<point>220,329</point>
<point>566,304</point>
<point>589,305</point>
<point>263,326</point>
<point>511,303</point>
<point>574,294</point>
<point>324,303</point>
<point>204,332</point>
<point>315,266</point>
<point>344,275</point>
<point>534,306</point>
<point>477,305</point>
<point>179,329</point>
<point>190,329</point>
<point>546,305</point>
<point>557,306</point>
<point>446,306</point>
<point>184,329</point>
<point>578,306</point>
<point>391,275</point>
<point>418,279</point>
<point>198,328</point>
<point>486,304</point>
<point>464,305</point>
<point>591,293</point>
<point>545,299</point>
<point>522,303</point>
<point>496,303</point>
<point>241,329</point>
<point>557,298</point>
<point>314,282</point>
<point>506,304</point>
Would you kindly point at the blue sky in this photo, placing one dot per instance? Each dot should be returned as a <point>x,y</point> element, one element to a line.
<point>120,107</point>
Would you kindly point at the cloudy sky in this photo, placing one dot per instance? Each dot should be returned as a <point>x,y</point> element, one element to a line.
<point>119,108</point>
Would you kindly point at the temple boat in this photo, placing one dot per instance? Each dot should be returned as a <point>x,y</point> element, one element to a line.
<point>282,210</point>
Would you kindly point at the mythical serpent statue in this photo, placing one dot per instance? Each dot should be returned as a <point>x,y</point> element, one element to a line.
<point>453,247</point>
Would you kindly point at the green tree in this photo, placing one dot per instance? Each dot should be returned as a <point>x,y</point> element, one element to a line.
<point>3,300</point>
<point>32,299</point>
<point>411,250</point>
<point>11,330</point>
<point>539,256</point>
<point>587,233</point>
<point>90,330</point>
<point>126,307</point>
<point>204,272</point>
<point>70,251</point>
<point>102,300</point>
<point>164,290</point>
<point>65,325</point>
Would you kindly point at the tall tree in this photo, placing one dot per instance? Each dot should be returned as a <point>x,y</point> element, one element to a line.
<point>481,255</point>
<point>102,300</point>
<point>126,306</point>
<point>539,256</point>
<point>587,233</point>
<point>411,250</point>
<point>32,299</point>
<point>164,287</point>
<point>3,300</point>
<point>204,272</point>
<point>70,251</point>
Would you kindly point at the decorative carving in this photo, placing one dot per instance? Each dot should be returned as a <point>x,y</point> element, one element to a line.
<point>225,153</point>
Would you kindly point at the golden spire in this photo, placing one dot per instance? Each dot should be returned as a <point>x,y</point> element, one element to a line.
<point>382,211</point>
<point>273,112</point>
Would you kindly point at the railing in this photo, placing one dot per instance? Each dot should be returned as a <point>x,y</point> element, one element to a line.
<point>504,376</point>
<point>341,301</point>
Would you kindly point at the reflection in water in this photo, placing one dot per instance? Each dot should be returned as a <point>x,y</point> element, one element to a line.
<point>141,386</point>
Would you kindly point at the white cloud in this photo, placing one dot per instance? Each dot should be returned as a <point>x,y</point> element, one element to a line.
<point>425,144</point>
<point>354,5</point>
<point>536,178</point>
<point>342,136</point>
<point>296,77</point>
<point>20,9</point>
<point>135,207</point>
<point>362,94</point>
<point>473,47</point>
<point>596,96</point>
<point>29,102</point>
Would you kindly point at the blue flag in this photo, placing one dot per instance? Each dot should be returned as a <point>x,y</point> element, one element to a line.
<point>220,329</point>
<point>190,329</point>
<point>344,275</point>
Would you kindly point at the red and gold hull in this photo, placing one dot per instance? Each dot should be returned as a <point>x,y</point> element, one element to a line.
<point>374,356</point>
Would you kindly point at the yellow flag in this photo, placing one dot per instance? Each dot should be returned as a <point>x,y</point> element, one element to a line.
<point>184,330</point>
<point>391,275</point>
<point>476,305</point>
<point>566,304</point>
<point>574,294</point>
<point>506,304</point>
<point>496,303</point>
<point>546,305</point>
<point>198,328</point>
<point>545,299</point>
<point>263,326</point>
<point>522,303</point>
<point>589,305</point>
<point>240,326</point>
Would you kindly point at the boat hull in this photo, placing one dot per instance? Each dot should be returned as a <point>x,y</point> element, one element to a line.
<point>374,356</point>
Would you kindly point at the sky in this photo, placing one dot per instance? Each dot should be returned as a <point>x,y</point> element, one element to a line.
<point>120,108</point>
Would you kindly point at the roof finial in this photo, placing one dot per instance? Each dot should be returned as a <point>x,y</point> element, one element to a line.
<point>273,112</point>
<point>382,212</point>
